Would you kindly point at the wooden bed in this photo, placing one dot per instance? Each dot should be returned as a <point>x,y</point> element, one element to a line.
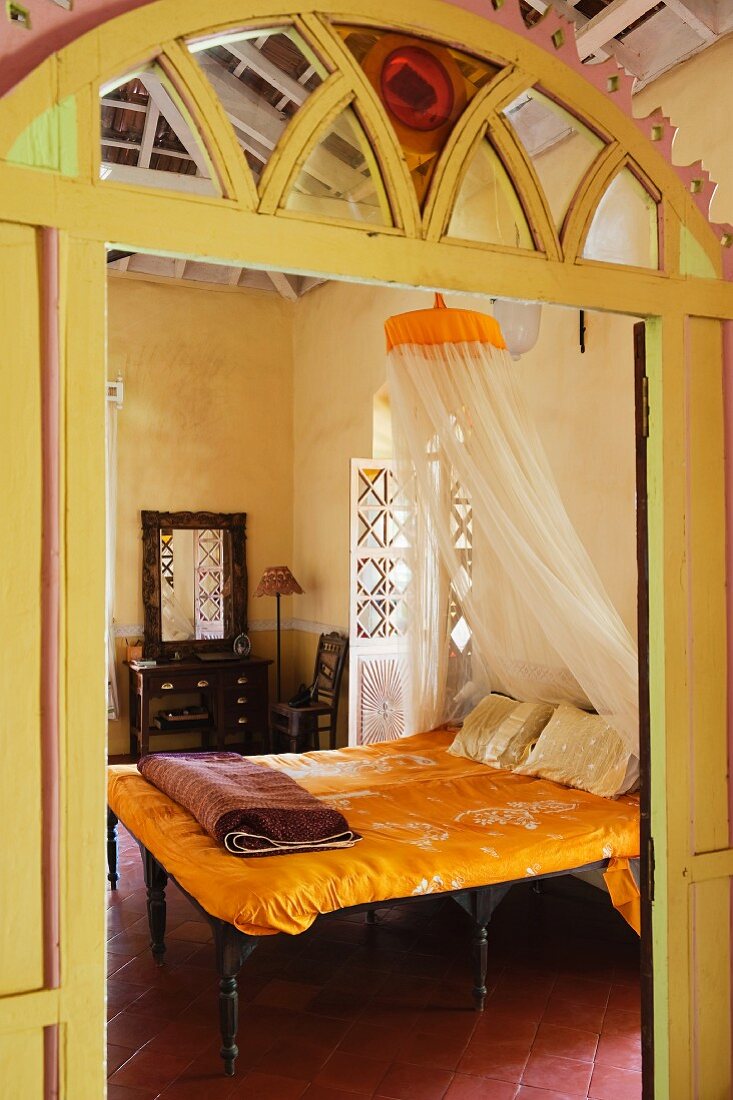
<point>432,824</point>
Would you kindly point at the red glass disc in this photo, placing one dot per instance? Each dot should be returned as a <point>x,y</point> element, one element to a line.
<point>416,88</point>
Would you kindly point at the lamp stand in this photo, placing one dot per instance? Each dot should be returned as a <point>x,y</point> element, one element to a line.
<point>277,597</point>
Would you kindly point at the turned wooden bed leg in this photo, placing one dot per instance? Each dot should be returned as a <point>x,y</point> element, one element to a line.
<point>112,875</point>
<point>480,905</point>
<point>480,944</point>
<point>156,879</point>
<point>232,949</point>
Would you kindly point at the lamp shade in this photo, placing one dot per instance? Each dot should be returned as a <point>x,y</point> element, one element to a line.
<point>520,324</point>
<point>277,580</point>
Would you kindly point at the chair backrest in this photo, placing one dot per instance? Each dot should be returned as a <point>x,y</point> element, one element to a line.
<point>330,660</point>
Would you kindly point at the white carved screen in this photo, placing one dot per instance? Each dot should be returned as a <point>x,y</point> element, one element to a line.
<point>380,579</point>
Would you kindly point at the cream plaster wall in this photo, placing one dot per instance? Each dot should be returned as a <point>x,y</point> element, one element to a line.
<point>206,424</point>
<point>697,97</point>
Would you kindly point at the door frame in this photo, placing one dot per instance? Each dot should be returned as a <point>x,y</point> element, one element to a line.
<point>684,306</point>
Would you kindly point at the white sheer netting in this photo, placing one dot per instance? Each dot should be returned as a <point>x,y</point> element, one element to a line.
<point>542,627</point>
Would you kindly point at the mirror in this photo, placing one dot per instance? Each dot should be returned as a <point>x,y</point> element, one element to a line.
<point>194,581</point>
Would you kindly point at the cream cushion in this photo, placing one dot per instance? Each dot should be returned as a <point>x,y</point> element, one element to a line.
<point>499,731</point>
<point>580,750</point>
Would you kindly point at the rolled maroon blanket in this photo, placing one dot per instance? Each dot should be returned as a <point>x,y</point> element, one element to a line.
<point>249,808</point>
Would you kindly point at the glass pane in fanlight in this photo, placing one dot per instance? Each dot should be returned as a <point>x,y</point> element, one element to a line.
<point>560,147</point>
<point>424,87</point>
<point>624,229</point>
<point>148,138</point>
<point>487,208</point>
<point>340,178</point>
<point>261,78</point>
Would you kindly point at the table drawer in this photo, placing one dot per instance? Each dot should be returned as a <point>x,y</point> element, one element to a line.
<point>246,718</point>
<point>165,683</point>
<point>254,677</point>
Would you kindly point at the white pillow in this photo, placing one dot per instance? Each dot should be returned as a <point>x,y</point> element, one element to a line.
<point>499,730</point>
<point>581,750</point>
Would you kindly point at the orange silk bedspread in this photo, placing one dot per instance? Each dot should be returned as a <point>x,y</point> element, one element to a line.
<point>430,822</point>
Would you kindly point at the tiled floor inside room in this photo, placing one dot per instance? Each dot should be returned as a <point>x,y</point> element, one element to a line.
<point>351,1010</point>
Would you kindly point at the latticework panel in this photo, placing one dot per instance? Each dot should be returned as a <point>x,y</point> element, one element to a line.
<point>381,521</point>
<point>209,584</point>
<point>380,538</point>
<point>166,556</point>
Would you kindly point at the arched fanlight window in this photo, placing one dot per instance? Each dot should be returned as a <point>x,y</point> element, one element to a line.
<point>262,78</point>
<point>487,207</point>
<point>148,138</point>
<point>560,147</point>
<point>340,177</point>
<point>624,229</point>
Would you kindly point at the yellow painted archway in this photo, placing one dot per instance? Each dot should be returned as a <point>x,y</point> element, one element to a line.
<point>58,214</point>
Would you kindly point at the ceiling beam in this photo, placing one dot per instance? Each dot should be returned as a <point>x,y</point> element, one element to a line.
<point>233,275</point>
<point>310,282</point>
<point>179,269</point>
<point>159,96</point>
<point>147,140</point>
<point>283,284</point>
<point>117,143</point>
<point>253,59</point>
<point>608,23</point>
<point>121,105</point>
<point>683,11</point>
<point>152,177</point>
<point>244,107</point>
<point>630,60</point>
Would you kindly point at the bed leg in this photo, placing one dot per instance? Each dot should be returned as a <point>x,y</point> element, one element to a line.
<point>480,904</point>
<point>370,916</point>
<point>156,879</point>
<point>232,949</point>
<point>112,875</point>
<point>480,944</point>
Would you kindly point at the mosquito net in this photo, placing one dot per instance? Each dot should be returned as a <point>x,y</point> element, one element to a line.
<point>492,543</point>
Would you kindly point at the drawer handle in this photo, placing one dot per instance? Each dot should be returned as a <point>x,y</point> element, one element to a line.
<point>242,699</point>
<point>242,721</point>
<point>242,680</point>
<point>202,684</point>
<point>167,686</point>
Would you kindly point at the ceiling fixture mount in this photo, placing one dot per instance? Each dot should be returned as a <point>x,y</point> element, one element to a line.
<point>520,324</point>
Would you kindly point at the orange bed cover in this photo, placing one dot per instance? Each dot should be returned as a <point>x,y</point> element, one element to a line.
<point>430,822</point>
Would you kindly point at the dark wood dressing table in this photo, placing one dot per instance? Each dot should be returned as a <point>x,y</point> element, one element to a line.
<point>234,693</point>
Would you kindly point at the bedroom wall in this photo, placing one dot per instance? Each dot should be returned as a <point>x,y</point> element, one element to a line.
<point>583,405</point>
<point>206,424</point>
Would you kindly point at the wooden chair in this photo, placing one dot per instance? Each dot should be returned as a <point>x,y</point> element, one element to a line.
<point>301,727</point>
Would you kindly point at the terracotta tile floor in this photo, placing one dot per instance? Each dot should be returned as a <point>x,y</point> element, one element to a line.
<point>348,1010</point>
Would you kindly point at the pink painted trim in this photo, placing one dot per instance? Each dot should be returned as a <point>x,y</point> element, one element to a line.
<point>50,603</point>
<point>51,1062</point>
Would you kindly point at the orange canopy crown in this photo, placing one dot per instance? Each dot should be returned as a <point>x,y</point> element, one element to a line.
<point>440,325</point>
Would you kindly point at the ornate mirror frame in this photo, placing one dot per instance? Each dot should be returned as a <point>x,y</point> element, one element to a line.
<point>235,563</point>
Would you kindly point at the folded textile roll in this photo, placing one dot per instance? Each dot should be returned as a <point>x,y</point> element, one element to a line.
<point>249,808</point>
